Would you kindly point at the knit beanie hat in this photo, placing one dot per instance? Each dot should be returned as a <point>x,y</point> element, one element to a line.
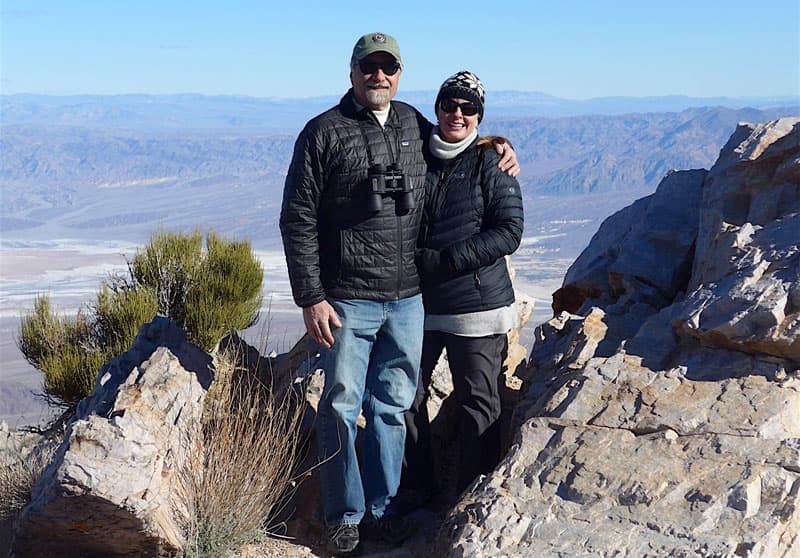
<point>463,85</point>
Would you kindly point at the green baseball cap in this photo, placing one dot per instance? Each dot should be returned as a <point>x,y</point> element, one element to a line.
<point>375,42</point>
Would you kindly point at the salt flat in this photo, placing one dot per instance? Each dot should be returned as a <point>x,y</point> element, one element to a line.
<point>69,274</point>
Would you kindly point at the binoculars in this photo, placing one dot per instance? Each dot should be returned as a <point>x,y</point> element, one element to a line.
<point>392,181</point>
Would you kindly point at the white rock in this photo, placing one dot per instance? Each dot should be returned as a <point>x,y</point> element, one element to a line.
<point>111,488</point>
<point>673,429</point>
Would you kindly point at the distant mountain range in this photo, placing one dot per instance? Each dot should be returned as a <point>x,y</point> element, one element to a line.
<point>120,166</point>
<point>592,153</point>
<point>276,115</point>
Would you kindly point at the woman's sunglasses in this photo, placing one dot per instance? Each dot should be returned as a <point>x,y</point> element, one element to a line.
<point>369,67</point>
<point>450,106</point>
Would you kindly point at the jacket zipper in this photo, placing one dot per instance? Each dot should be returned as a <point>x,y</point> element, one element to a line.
<point>431,206</point>
<point>396,217</point>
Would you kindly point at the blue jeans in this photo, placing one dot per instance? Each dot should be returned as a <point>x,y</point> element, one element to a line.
<point>373,366</point>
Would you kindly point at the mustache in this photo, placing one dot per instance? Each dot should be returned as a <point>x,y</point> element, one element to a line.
<point>379,84</point>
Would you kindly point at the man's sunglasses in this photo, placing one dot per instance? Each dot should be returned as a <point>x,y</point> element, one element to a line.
<point>369,67</point>
<point>450,106</point>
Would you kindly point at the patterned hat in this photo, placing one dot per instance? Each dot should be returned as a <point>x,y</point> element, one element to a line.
<point>463,85</point>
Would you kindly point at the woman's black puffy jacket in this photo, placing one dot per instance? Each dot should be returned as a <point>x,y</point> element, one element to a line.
<point>473,218</point>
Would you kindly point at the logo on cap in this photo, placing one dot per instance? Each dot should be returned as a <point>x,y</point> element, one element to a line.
<point>379,38</point>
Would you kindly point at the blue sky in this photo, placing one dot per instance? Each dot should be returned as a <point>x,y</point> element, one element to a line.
<point>568,48</point>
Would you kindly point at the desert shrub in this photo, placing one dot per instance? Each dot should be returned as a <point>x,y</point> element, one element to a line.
<point>118,314</point>
<point>69,375</point>
<point>229,299</point>
<point>42,333</point>
<point>207,292</point>
<point>70,352</point>
<point>168,265</point>
<point>63,349</point>
<point>241,474</point>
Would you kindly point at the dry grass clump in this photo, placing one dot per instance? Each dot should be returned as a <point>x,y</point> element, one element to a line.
<point>20,468</point>
<point>241,474</point>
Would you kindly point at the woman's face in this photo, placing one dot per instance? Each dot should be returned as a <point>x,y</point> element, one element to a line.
<point>454,125</point>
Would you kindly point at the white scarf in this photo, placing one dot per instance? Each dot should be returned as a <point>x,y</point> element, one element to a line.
<point>445,150</point>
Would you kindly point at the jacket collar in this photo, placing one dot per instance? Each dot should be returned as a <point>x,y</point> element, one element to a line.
<point>468,155</point>
<point>348,107</point>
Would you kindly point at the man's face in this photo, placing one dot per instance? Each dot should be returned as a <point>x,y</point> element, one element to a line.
<point>376,89</point>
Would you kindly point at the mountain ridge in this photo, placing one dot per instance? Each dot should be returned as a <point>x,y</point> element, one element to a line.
<point>83,178</point>
<point>275,114</point>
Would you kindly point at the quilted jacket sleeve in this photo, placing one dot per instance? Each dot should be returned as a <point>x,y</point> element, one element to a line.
<point>299,219</point>
<point>501,231</point>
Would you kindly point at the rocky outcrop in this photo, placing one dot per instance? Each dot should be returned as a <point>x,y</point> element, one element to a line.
<point>753,196</point>
<point>111,488</point>
<point>662,403</point>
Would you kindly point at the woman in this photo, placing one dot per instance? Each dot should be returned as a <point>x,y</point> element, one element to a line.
<point>473,218</point>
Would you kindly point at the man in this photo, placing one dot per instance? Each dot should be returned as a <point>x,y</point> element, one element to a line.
<point>349,221</point>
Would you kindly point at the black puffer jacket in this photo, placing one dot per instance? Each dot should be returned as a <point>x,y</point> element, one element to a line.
<point>334,246</point>
<point>469,235</point>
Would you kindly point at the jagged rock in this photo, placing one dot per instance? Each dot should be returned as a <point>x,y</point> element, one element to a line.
<point>276,372</point>
<point>663,419</point>
<point>111,488</point>
<point>753,196</point>
<point>643,251</point>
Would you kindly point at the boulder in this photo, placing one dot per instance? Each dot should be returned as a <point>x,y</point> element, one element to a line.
<point>111,489</point>
<point>661,414</point>
<point>753,219</point>
<point>643,251</point>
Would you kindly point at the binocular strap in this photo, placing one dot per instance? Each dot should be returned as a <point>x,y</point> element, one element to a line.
<point>362,126</point>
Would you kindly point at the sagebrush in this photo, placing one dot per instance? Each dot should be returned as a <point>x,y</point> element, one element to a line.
<point>207,290</point>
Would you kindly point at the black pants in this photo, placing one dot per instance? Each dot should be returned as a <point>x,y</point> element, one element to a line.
<point>475,363</point>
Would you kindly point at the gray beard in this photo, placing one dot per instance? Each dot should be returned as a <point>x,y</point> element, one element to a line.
<point>377,99</point>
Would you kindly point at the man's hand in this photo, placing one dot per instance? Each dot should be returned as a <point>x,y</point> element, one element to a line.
<point>508,160</point>
<point>320,320</point>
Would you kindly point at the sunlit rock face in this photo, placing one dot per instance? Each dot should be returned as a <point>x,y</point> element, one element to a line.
<point>113,486</point>
<point>661,414</point>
